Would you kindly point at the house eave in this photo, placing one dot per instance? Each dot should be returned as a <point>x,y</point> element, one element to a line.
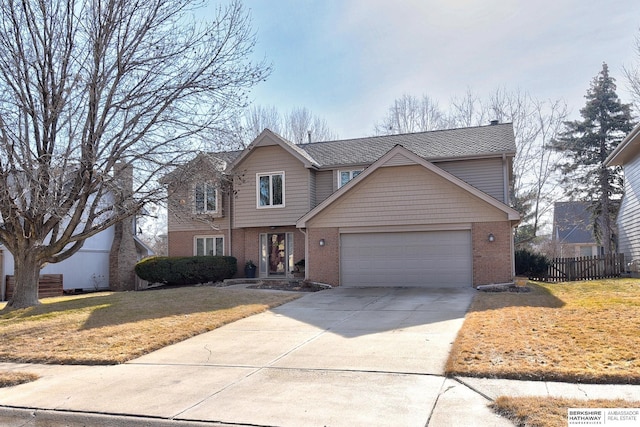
<point>626,150</point>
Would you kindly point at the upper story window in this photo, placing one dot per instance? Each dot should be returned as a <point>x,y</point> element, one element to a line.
<point>346,176</point>
<point>270,189</point>
<point>206,198</point>
<point>209,245</point>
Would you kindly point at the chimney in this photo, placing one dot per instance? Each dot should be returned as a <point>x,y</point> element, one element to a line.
<point>494,122</point>
<point>309,135</point>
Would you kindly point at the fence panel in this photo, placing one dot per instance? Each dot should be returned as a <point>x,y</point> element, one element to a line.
<point>585,268</point>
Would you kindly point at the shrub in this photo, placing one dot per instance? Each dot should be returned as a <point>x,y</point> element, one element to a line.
<point>531,264</point>
<point>186,270</point>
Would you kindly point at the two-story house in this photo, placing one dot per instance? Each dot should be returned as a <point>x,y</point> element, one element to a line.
<point>423,209</point>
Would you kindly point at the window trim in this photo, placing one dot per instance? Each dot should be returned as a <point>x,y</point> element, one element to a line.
<point>350,171</point>
<point>208,236</point>
<point>270,175</point>
<point>217,198</point>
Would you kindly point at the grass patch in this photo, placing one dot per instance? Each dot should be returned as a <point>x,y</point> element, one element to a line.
<point>574,332</point>
<point>548,411</point>
<point>9,379</point>
<point>114,327</point>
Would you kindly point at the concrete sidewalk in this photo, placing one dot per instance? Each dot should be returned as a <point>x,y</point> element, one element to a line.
<point>340,357</point>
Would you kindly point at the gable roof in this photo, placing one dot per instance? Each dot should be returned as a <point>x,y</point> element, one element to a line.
<point>440,145</point>
<point>627,150</point>
<point>572,223</point>
<point>400,155</point>
<point>267,137</point>
<point>473,142</point>
<point>218,161</point>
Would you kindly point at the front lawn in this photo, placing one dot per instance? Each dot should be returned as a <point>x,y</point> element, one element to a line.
<point>575,332</point>
<point>110,328</point>
<point>549,412</point>
<point>8,379</point>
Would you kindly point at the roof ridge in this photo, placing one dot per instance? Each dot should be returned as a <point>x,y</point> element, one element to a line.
<point>405,134</point>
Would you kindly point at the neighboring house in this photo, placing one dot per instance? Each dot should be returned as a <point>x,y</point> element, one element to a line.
<point>87,270</point>
<point>105,261</point>
<point>423,209</point>
<point>573,230</point>
<point>627,155</point>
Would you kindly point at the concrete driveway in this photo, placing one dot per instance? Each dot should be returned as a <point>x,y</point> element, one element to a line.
<point>341,357</point>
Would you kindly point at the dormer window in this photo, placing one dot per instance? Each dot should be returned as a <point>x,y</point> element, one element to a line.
<point>206,198</point>
<point>346,176</point>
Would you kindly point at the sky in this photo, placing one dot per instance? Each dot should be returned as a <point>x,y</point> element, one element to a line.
<point>348,60</point>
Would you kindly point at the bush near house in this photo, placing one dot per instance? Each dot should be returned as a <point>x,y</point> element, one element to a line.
<point>531,264</point>
<point>186,270</point>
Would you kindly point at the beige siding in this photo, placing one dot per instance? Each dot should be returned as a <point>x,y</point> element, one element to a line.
<point>181,215</point>
<point>325,185</point>
<point>629,216</point>
<point>312,190</point>
<point>484,174</point>
<point>405,195</point>
<point>296,189</point>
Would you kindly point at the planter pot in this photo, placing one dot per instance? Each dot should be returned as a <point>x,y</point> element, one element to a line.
<point>521,281</point>
<point>250,272</point>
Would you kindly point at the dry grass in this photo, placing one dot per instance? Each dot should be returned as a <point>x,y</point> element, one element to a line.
<point>548,412</point>
<point>575,332</point>
<point>109,328</point>
<point>8,379</point>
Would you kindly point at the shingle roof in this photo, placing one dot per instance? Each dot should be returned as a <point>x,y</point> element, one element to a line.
<point>434,145</point>
<point>446,144</point>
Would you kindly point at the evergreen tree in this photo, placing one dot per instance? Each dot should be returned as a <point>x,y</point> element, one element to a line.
<point>585,144</point>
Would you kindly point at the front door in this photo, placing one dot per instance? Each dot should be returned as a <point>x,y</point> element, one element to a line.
<point>276,254</point>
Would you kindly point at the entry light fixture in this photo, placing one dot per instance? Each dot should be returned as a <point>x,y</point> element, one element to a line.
<point>491,237</point>
<point>321,242</point>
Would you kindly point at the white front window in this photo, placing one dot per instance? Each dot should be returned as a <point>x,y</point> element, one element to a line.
<point>208,245</point>
<point>346,176</point>
<point>270,189</point>
<point>205,197</point>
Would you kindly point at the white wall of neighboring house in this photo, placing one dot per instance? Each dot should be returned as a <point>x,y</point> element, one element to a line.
<point>87,269</point>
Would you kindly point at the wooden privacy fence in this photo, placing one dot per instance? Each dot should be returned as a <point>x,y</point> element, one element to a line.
<point>585,268</point>
<point>49,285</point>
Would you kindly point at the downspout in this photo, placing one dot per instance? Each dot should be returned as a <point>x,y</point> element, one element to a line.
<point>505,179</point>
<point>306,253</point>
<point>230,221</point>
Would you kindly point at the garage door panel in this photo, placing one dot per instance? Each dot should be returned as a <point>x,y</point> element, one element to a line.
<point>424,259</point>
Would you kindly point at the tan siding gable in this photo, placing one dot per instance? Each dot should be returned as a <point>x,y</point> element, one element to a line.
<point>484,174</point>
<point>399,160</point>
<point>405,195</point>
<point>629,216</point>
<point>181,214</point>
<point>296,186</point>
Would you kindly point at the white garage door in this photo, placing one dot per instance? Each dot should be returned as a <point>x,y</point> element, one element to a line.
<point>424,259</point>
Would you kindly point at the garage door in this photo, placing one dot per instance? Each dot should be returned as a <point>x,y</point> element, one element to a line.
<point>424,259</point>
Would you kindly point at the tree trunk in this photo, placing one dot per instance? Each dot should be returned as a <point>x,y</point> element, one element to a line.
<point>26,272</point>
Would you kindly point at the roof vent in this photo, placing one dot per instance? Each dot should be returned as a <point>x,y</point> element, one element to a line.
<point>494,122</point>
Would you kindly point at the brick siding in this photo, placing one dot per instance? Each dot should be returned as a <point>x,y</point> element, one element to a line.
<point>492,261</point>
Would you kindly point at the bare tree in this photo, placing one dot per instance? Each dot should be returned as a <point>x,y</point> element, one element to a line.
<point>466,111</point>
<point>259,118</point>
<point>632,74</point>
<point>90,88</point>
<point>301,126</point>
<point>410,114</point>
